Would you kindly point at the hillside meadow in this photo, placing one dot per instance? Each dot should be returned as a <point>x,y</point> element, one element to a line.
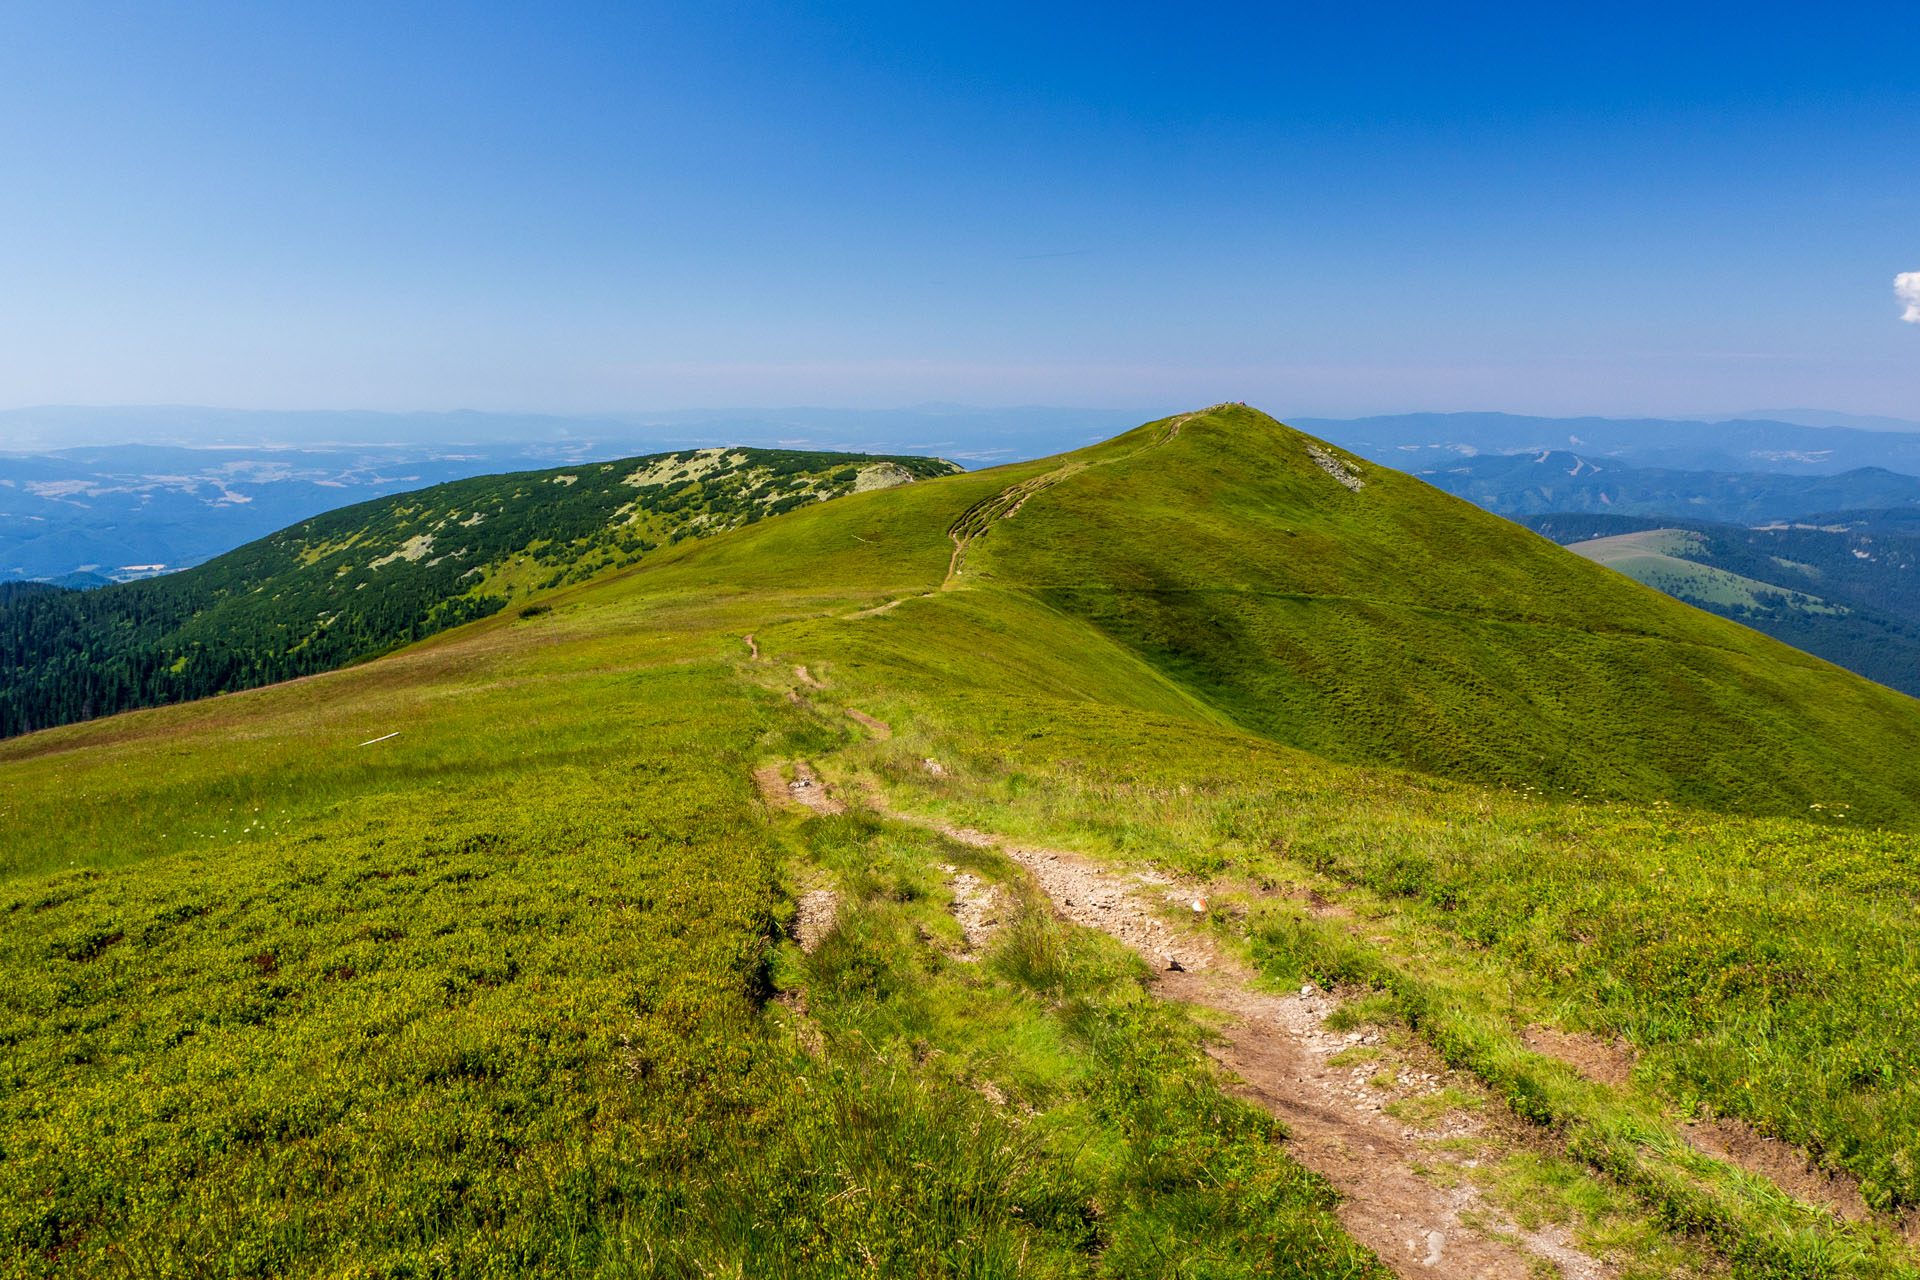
<point>362,580</point>
<point>516,991</point>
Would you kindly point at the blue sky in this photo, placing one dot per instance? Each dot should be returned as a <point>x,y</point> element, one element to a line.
<point>1321,209</point>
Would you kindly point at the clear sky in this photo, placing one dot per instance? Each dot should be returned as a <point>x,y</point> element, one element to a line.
<point>1322,209</point>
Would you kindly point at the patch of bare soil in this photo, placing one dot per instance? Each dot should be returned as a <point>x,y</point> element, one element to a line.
<point>1365,1108</point>
<point>978,905</point>
<point>814,917</point>
<point>800,673</point>
<point>1601,1061</point>
<point>881,729</point>
<point>805,788</point>
<point>753,650</point>
<point>890,605</point>
<point>1088,895</point>
<point>773,787</point>
<point>1790,1168</point>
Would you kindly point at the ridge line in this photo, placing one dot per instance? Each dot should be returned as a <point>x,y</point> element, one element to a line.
<point>978,519</point>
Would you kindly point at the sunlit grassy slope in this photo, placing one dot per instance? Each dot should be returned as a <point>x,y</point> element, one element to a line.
<point>492,996</point>
<point>1395,624</point>
<point>368,578</point>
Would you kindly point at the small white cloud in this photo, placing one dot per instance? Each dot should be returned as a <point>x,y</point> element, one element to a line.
<point>1906,287</point>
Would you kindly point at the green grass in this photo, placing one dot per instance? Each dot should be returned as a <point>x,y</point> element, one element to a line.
<point>508,993</point>
<point>1399,625</point>
<point>1497,910</point>
<point>496,1003</point>
<point>423,1024</point>
<point>1169,1176</point>
<point>365,579</point>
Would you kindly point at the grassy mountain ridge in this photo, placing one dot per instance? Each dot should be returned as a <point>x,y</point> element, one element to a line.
<point>361,579</point>
<point>1395,624</point>
<point>513,987</point>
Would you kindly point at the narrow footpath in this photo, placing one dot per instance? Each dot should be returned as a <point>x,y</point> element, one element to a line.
<point>1375,1113</point>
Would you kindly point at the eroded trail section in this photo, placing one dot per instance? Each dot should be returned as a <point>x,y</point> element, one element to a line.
<point>880,729</point>
<point>1370,1109</point>
<point>1788,1167</point>
<point>803,788</point>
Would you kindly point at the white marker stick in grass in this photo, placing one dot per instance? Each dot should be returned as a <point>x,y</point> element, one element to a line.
<point>370,741</point>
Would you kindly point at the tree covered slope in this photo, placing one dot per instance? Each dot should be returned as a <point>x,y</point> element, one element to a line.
<point>361,579</point>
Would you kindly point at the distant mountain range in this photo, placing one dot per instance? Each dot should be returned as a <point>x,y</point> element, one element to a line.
<point>1419,442</point>
<point>85,509</point>
<point>1528,484</point>
<point>963,432</point>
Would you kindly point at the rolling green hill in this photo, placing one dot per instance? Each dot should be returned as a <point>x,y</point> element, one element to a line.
<point>1390,623</point>
<point>361,579</point>
<point>487,957</point>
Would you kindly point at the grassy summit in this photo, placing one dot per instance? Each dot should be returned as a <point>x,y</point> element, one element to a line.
<point>1391,623</point>
<point>481,958</point>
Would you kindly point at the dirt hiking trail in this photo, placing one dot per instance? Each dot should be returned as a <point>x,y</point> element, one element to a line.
<point>805,788</point>
<point>880,729</point>
<point>1374,1112</point>
<point>1730,1141</point>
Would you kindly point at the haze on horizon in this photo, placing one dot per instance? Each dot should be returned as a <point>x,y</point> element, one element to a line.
<point>581,208</point>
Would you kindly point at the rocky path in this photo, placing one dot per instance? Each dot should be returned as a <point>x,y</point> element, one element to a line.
<point>1405,1140</point>
<point>1370,1109</point>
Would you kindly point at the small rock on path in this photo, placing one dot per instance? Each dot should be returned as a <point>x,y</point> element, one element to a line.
<point>805,788</point>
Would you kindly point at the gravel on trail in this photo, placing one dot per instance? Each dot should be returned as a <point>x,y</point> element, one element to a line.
<point>1373,1111</point>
